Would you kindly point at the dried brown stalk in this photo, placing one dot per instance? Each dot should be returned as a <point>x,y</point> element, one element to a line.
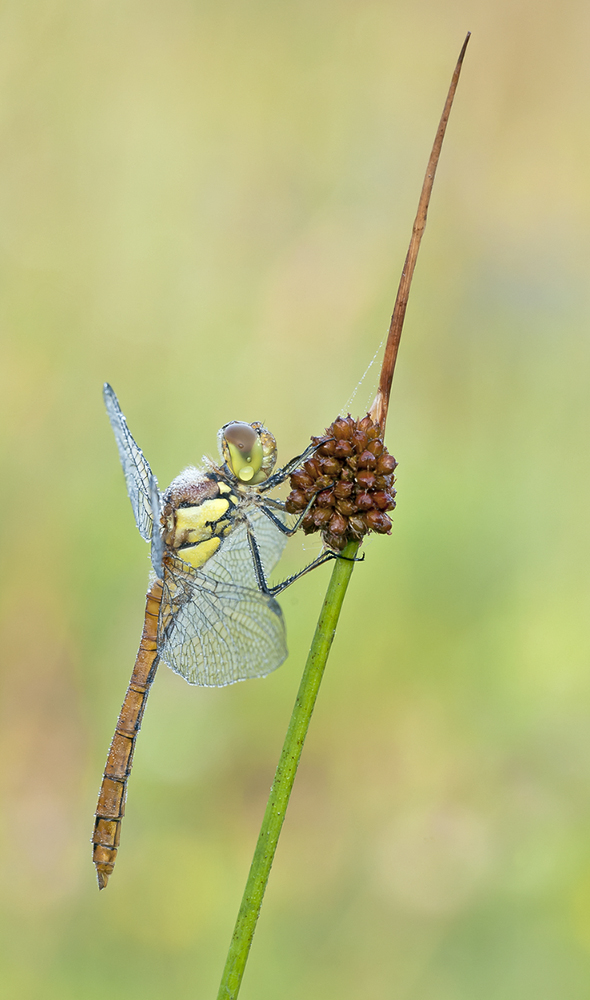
<point>346,487</point>
<point>379,406</point>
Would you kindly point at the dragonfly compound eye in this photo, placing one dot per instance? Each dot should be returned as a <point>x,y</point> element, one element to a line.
<point>242,450</point>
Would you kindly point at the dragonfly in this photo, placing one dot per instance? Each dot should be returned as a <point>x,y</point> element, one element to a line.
<point>210,613</point>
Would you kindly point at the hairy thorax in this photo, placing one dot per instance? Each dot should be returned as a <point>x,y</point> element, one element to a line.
<point>199,510</point>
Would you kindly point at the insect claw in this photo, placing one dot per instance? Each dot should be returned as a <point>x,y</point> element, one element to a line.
<point>354,559</point>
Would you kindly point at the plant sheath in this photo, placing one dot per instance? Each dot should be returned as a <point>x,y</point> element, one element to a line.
<point>285,776</point>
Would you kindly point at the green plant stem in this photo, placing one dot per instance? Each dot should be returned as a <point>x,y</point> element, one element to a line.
<point>285,776</point>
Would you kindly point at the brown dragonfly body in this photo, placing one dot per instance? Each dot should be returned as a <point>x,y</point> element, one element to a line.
<point>210,614</point>
<point>111,800</point>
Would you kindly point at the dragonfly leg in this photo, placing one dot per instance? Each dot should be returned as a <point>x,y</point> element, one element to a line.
<point>326,556</point>
<point>323,557</point>
<point>257,561</point>
<point>280,475</point>
<point>267,506</point>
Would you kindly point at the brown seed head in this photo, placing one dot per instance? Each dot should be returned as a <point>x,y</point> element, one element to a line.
<point>350,480</point>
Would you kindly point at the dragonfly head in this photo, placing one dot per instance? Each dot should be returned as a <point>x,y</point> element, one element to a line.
<point>249,451</point>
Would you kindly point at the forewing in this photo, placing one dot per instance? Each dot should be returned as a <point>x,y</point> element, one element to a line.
<point>157,546</point>
<point>139,478</point>
<point>216,627</point>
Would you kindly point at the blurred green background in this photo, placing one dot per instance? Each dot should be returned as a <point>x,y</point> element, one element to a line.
<point>209,206</point>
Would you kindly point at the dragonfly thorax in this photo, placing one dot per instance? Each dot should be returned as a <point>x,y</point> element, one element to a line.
<point>198,511</point>
<point>249,451</point>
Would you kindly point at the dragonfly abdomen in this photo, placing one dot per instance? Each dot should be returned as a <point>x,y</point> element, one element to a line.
<point>111,800</point>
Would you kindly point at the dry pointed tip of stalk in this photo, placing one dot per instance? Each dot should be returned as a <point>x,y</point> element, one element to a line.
<point>379,406</point>
<point>102,879</point>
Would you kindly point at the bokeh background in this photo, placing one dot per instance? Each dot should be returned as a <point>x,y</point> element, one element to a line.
<point>209,206</point>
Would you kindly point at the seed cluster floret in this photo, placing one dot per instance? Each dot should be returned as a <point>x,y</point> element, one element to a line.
<point>350,479</point>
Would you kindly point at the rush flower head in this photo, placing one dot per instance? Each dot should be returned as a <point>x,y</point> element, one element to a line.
<point>351,478</point>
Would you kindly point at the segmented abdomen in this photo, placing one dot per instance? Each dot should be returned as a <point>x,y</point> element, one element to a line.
<point>111,800</point>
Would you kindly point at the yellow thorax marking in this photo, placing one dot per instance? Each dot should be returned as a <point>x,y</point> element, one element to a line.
<point>195,523</point>
<point>200,553</point>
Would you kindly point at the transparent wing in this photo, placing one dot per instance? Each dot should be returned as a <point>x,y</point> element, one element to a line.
<point>271,541</point>
<point>139,478</point>
<point>216,627</point>
<point>157,546</point>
